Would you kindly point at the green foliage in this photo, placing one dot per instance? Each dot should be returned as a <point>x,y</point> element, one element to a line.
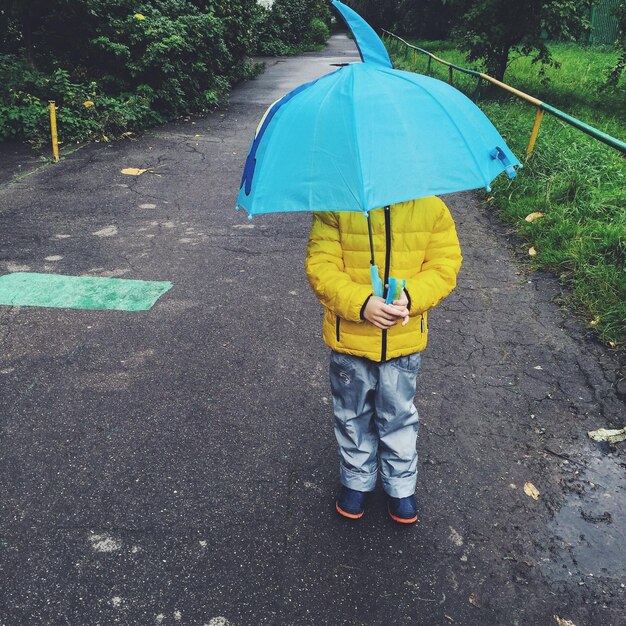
<point>138,62</point>
<point>291,26</point>
<point>578,183</point>
<point>423,18</point>
<point>23,113</point>
<point>580,186</point>
<point>268,40</point>
<point>291,18</point>
<point>318,31</point>
<point>574,86</point>
<point>19,108</point>
<point>426,18</point>
<point>380,13</point>
<point>490,31</point>
<point>432,19</point>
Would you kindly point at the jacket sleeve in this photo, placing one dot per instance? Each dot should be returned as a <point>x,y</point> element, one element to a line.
<point>325,270</point>
<point>442,262</point>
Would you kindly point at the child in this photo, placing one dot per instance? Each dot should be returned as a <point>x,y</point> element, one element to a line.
<point>376,348</point>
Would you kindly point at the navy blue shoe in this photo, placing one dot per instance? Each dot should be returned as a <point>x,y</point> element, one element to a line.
<point>351,503</point>
<point>402,510</point>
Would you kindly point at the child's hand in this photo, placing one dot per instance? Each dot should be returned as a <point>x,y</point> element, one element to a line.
<point>402,302</point>
<point>383,315</point>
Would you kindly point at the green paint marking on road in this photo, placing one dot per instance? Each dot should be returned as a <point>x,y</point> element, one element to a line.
<point>80,292</point>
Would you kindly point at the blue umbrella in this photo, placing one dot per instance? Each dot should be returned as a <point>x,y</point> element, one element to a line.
<point>366,136</point>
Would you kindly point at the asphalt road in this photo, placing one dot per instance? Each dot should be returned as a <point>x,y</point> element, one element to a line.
<point>178,466</point>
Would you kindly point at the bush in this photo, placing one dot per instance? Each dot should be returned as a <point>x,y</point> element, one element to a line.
<point>318,32</point>
<point>83,110</point>
<point>291,26</point>
<point>137,63</point>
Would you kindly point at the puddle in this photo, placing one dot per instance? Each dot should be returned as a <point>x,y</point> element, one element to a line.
<point>588,530</point>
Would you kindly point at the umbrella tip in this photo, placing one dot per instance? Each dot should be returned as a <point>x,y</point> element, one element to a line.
<point>488,188</point>
<point>250,217</point>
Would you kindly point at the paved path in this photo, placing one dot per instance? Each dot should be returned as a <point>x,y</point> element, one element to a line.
<point>178,466</point>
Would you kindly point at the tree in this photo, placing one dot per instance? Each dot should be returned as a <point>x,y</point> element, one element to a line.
<point>377,13</point>
<point>493,30</point>
<point>427,19</point>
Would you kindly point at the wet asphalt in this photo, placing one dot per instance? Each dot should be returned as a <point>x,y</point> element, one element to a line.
<point>178,466</point>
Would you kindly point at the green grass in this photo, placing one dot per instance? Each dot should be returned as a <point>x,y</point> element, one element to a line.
<point>577,182</point>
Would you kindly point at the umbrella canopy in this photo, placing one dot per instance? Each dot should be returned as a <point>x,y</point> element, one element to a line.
<point>367,136</point>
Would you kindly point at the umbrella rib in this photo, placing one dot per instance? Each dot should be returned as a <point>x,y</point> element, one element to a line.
<point>358,149</point>
<point>332,159</point>
<point>332,156</point>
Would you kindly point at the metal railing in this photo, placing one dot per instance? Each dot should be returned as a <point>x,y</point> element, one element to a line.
<point>539,104</point>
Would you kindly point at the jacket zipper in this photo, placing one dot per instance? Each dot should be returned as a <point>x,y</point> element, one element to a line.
<point>383,350</point>
<point>337,327</point>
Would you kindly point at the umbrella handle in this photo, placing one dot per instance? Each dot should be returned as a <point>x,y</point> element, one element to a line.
<point>377,284</point>
<point>396,285</point>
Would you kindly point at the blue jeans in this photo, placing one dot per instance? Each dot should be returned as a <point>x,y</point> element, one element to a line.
<point>376,422</point>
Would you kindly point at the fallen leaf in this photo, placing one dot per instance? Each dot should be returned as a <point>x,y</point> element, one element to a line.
<point>531,490</point>
<point>611,436</point>
<point>139,16</point>
<point>473,600</point>
<point>105,138</point>
<point>133,171</point>
<point>532,252</point>
<point>563,622</point>
<point>531,217</point>
<point>88,103</point>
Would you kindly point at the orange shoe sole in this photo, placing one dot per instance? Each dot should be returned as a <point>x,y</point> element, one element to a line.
<point>402,520</point>
<point>348,515</point>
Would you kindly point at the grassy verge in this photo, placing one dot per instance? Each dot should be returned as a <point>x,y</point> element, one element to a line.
<point>578,183</point>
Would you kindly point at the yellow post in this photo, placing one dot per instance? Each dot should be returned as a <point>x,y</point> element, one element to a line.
<point>53,129</point>
<point>450,74</point>
<point>535,132</point>
<point>414,56</point>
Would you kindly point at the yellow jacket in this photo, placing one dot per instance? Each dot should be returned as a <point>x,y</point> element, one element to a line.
<point>416,240</point>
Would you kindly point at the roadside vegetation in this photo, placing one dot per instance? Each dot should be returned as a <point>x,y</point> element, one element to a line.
<point>578,183</point>
<point>114,67</point>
